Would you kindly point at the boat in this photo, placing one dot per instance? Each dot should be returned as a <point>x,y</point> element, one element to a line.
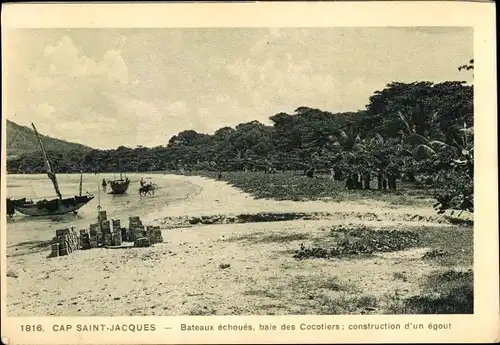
<point>56,206</point>
<point>119,186</point>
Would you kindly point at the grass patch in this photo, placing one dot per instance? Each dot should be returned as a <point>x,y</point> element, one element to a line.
<point>260,292</point>
<point>292,185</point>
<point>334,284</point>
<point>460,221</point>
<point>310,284</point>
<point>448,246</point>
<point>346,304</point>
<point>202,311</point>
<point>452,246</point>
<point>443,292</point>
<point>399,276</point>
<point>275,237</point>
<point>361,241</point>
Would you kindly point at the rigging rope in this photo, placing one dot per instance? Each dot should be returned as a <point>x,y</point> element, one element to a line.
<point>33,190</point>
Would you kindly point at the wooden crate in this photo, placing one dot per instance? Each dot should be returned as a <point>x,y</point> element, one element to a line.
<point>101,215</point>
<point>54,250</point>
<point>62,232</point>
<point>117,238</point>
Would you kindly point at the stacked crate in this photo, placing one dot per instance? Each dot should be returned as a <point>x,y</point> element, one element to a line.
<point>153,233</point>
<point>55,250</point>
<point>94,236</point>
<point>84,239</point>
<point>142,242</point>
<point>116,235</point>
<point>124,235</point>
<point>158,238</point>
<point>135,229</point>
<point>101,216</point>
<point>67,242</point>
<point>106,232</point>
<point>61,238</point>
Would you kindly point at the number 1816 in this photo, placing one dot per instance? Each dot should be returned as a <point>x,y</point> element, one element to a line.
<point>31,328</point>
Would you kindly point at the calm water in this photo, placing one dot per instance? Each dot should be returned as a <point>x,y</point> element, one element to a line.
<point>24,228</point>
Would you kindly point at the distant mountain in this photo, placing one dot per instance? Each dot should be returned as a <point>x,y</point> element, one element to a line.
<point>22,139</point>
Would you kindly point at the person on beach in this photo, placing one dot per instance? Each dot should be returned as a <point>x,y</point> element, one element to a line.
<point>142,182</point>
<point>104,184</point>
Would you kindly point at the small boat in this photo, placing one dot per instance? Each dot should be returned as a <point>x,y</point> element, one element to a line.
<point>56,206</point>
<point>119,186</point>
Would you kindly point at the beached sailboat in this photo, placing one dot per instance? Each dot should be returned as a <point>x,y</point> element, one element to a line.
<point>57,206</point>
<point>120,185</point>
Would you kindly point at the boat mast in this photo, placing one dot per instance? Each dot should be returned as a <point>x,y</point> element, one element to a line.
<point>50,173</point>
<point>119,169</point>
<point>81,182</point>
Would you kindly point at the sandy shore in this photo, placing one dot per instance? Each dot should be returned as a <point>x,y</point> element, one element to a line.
<point>183,275</point>
<point>215,197</point>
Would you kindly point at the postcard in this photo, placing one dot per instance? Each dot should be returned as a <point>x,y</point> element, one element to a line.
<point>212,173</point>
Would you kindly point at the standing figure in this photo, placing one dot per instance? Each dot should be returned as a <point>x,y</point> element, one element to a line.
<point>337,174</point>
<point>392,176</point>
<point>349,183</point>
<point>367,177</point>
<point>380,179</point>
<point>104,184</point>
<point>359,180</point>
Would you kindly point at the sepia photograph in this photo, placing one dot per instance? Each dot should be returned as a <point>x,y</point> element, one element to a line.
<point>239,171</point>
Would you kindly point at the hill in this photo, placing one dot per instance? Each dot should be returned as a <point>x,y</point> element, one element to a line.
<point>22,140</point>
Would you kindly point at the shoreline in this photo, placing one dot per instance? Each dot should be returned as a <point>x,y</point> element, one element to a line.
<point>245,255</point>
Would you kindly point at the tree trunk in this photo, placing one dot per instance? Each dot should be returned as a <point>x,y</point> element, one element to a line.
<point>367,183</point>
<point>349,183</point>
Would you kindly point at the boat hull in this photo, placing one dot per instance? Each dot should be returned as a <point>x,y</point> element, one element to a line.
<point>53,207</point>
<point>119,187</point>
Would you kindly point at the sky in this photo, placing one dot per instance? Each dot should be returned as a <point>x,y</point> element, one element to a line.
<point>111,87</point>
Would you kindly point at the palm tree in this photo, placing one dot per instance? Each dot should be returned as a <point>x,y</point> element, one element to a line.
<point>452,163</point>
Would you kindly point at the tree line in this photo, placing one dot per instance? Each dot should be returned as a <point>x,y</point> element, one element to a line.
<point>421,131</point>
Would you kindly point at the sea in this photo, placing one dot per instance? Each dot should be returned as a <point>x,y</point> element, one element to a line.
<point>23,229</point>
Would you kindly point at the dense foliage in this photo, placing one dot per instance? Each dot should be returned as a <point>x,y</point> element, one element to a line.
<point>21,140</point>
<point>418,131</point>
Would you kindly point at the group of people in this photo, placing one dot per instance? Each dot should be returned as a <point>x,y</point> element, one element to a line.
<point>361,179</point>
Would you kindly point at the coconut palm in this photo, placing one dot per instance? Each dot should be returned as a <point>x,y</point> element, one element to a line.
<point>452,163</point>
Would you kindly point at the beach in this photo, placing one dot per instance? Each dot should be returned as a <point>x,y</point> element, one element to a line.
<point>191,271</point>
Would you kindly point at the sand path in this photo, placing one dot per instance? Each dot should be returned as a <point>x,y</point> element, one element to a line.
<point>220,198</point>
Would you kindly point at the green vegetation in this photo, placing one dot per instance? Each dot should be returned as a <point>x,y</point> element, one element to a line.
<point>361,241</point>
<point>446,290</point>
<point>292,185</point>
<point>419,132</point>
<point>21,141</point>
<point>443,292</point>
<point>447,247</point>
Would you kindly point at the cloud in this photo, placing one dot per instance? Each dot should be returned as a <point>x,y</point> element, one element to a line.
<point>66,61</point>
<point>149,122</point>
<point>43,111</point>
<point>112,87</point>
<point>64,92</point>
